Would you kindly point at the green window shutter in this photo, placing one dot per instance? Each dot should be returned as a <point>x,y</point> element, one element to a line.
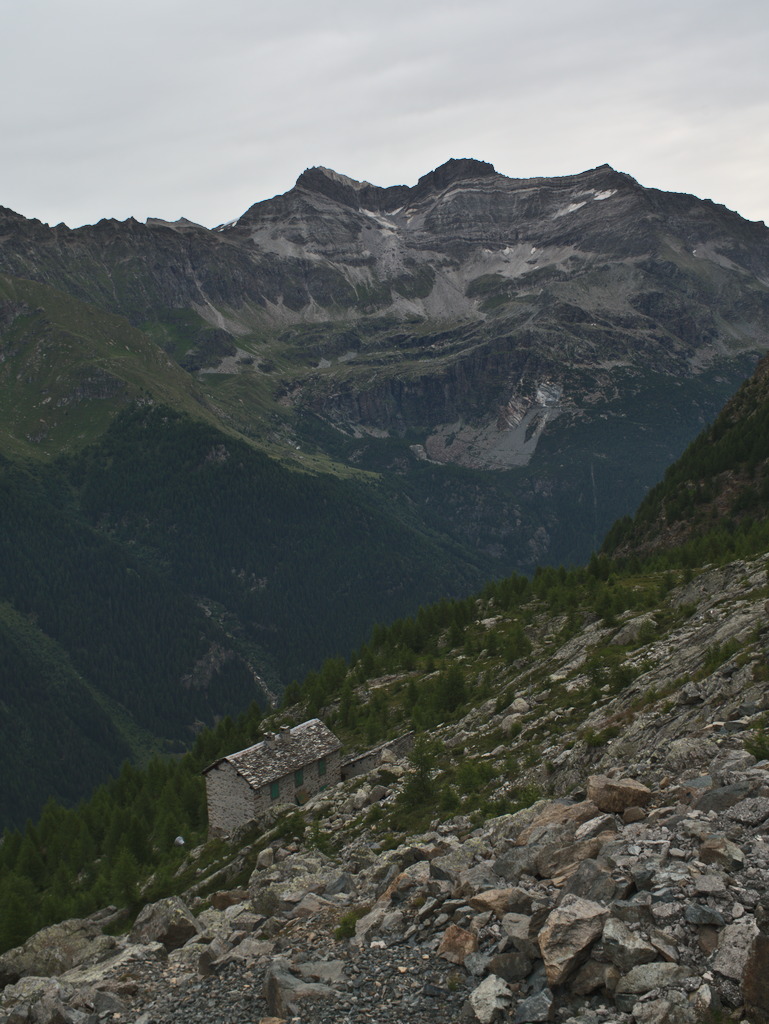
<point>298,777</point>
<point>274,790</point>
<point>322,766</point>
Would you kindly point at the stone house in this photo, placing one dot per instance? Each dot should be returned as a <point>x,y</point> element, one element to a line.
<point>286,767</point>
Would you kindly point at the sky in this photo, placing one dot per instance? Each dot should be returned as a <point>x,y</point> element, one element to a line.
<point>200,108</point>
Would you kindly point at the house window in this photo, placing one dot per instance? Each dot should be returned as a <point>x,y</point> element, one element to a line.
<point>322,766</point>
<point>274,790</point>
<point>298,777</point>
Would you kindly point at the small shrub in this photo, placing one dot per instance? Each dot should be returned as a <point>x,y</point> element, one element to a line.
<point>524,796</point>
<point>647,633</point>
<point>347,922</point>
<point>601,738</point>
<point>453,981</point>
<point>267,903</point>
<point>449,801</point>
<point>758,745</point>
<point>319,840</point>
<point>717,654</point>
<point>375,814</point>
<point>291,827</point>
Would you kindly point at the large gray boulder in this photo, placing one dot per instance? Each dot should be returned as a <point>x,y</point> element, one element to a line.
<point>616,795</point>
<point>567,935</point>
<point>56,949</point>
<point>490,999</point>
<point>290,996</point>
<point>735,945</point>
<point>646,977</point>
<point>169,921</point>
<point>625,949</point>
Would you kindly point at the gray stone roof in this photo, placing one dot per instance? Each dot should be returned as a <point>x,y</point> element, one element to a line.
<point>272,758</point>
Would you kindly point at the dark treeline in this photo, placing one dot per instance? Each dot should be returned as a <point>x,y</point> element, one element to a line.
<point>74,861</point>
<point>714,499</point>
<point>426,647</point>
<point>304,562</point>
<point>165,568</point>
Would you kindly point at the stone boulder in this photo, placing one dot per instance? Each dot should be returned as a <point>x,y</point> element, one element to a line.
<point>646,977</point>
<point>290,880</point>
<point>56,949</point>
<point>754,980</point>
<point>567,935</point>
<point>457,944</point>
<point>127,965</point>
<point>559,812</point>
<point>490,1000</point>
<point>735,946</point>
<point>381,921</point>
<point>265,859</point>
<point>518,928</point>
<point>536,1009</point>
<point>169,921</point>
<point>558,860</point>
<point>615,795</point>
<point>498,901</point>
<point>515,862</point>
<point>722,852</point>
<point>289,996</point>
<point>625,949</point>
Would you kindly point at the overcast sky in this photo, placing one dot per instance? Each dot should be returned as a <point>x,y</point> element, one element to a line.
<point>171,108</point>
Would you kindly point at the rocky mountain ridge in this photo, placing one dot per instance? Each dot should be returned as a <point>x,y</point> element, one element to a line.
<point>558,340</point>
<point>633,891</point>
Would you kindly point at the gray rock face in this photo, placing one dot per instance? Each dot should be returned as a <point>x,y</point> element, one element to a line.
<point>536,1008</point>
<point>169,921</point>
<point>55,950</point>
<point>625,949</point>
<point>490,999</point>
<point>473,279</point>
<point>287,995</point>
<point>721,851</point>
<point>735,945</point>
<point>616,795</point>
<point>567,935</point>
<point>645,977</point>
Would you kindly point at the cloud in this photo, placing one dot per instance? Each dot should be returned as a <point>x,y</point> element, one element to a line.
<point>195,109</point>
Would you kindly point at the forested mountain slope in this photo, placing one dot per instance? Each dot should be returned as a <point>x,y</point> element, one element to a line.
<point>717,493</point>
<point>650,663</point>
<point>228,453</point>
<point>169,575</point>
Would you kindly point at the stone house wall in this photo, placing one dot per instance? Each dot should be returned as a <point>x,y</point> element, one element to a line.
<point>231,801</point>
<point>400,746</point>
<point>312,782</point>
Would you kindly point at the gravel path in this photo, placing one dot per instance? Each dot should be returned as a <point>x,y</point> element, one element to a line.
<point>385,986</point>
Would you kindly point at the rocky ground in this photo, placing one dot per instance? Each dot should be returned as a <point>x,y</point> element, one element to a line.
<point>619,903</point>
<point>636,892</point>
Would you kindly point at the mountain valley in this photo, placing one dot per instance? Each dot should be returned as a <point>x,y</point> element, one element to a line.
<point>226,454</point>
<point>579,833</point>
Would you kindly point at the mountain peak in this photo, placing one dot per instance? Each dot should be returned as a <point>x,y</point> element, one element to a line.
<point>331,183</point>
<point>456,170</point>
<point>314,175</point>
<point>349,191</point>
